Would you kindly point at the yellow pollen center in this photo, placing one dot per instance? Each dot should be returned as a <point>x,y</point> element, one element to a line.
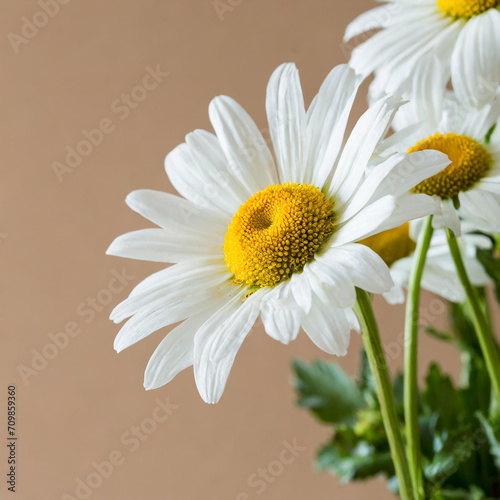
<point>392,245</point>
<point>469,162</point>
<point>465,8</point>
<point>276,232</point>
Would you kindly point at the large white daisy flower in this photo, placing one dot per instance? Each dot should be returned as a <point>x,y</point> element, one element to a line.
<point>396,247</point>
<point>435,118</point>
<point>463,34</point>
<point>276,236</point>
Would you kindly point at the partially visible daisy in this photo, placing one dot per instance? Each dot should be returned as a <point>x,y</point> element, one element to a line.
<point>271,236</point>
<point>463,34</point>
<point>434,118</point>
<point>396,247</point>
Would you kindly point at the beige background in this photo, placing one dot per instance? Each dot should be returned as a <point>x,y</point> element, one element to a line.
<point>54,234</point>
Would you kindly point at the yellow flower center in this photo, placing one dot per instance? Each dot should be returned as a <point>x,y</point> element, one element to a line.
<point>465,8</point>
<point>393,244</point>
<point>276,232</point>
<point>469,162</point>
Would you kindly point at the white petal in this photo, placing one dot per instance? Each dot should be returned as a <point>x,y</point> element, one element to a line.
<point>171,285</point>
<point>380,17</point>
<point>425,91</point>
<point>368,131</point>
<point>246,150</point>
<point>366,269</point>
<point>287,122</point>
<point>281,322</point>
<point>395,176</point>
<point>175,213</point>
<point>326,122</point>
<point>481,208</point>
<point>217,342</point>
<point>449,216</point>
<point>301,291</point>
<point>328,328</point>
<point>396,44</point>
<point>174,353</point>
<point>365,222</point>
<point>160,245</point>
<point>331,282</point>
<point>199,172</point>
<point>475,68</point>
<point>409,207</point>
<point>435,35</point>
<point>149,320</point>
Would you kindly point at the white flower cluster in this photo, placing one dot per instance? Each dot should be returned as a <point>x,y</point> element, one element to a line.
<point>287,230</point>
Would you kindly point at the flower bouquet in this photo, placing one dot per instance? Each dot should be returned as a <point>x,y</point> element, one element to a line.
<point>301,223</point>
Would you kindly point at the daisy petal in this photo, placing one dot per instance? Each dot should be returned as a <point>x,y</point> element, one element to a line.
<point>287,122</point>
<point>173,212</point>
<point>160,245</point>
<point>328,328</point>
<point>366,269</point>
<point>170,285</point>
<point>326,122</point>
<point>149,320</point>
<point>173,354</point>
<point>379,17</point>
<point>365,222</point>
<point>221,336</point>
<point>282,323</point>
<point>246,150</point>
<point>370,129</point>
<point>200,173</point>
<point>475,65</point>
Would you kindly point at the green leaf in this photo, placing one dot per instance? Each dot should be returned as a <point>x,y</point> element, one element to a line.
<point>362,462</point>
<point>477,393</point>
<point>453,452</point>
<point>493,435</point>
<point>473,494</point>
<point>441,397</point>
<point>327,391</point>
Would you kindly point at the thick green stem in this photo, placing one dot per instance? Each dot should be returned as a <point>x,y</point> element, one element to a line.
<point>485,336</point>
<point>411,357</point>
<point>378,365</point>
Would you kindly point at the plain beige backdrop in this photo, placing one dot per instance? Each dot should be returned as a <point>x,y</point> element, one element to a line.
<point>82,404</point>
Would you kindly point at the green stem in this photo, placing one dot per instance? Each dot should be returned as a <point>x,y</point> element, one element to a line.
<point>376,358</point>
<point>485,336</point>
<point>412,429</point>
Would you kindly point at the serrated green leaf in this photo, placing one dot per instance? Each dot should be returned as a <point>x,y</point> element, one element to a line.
<point>327,391</point>
<point>493,434</point>
<point>441,397</point>
<point>362,462</point>
<point>460,494</point>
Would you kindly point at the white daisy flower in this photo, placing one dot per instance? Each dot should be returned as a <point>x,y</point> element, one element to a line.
<point>463,34</point>
<point>435,118</point>
<point>256,235</point>
<point>396,247</point>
